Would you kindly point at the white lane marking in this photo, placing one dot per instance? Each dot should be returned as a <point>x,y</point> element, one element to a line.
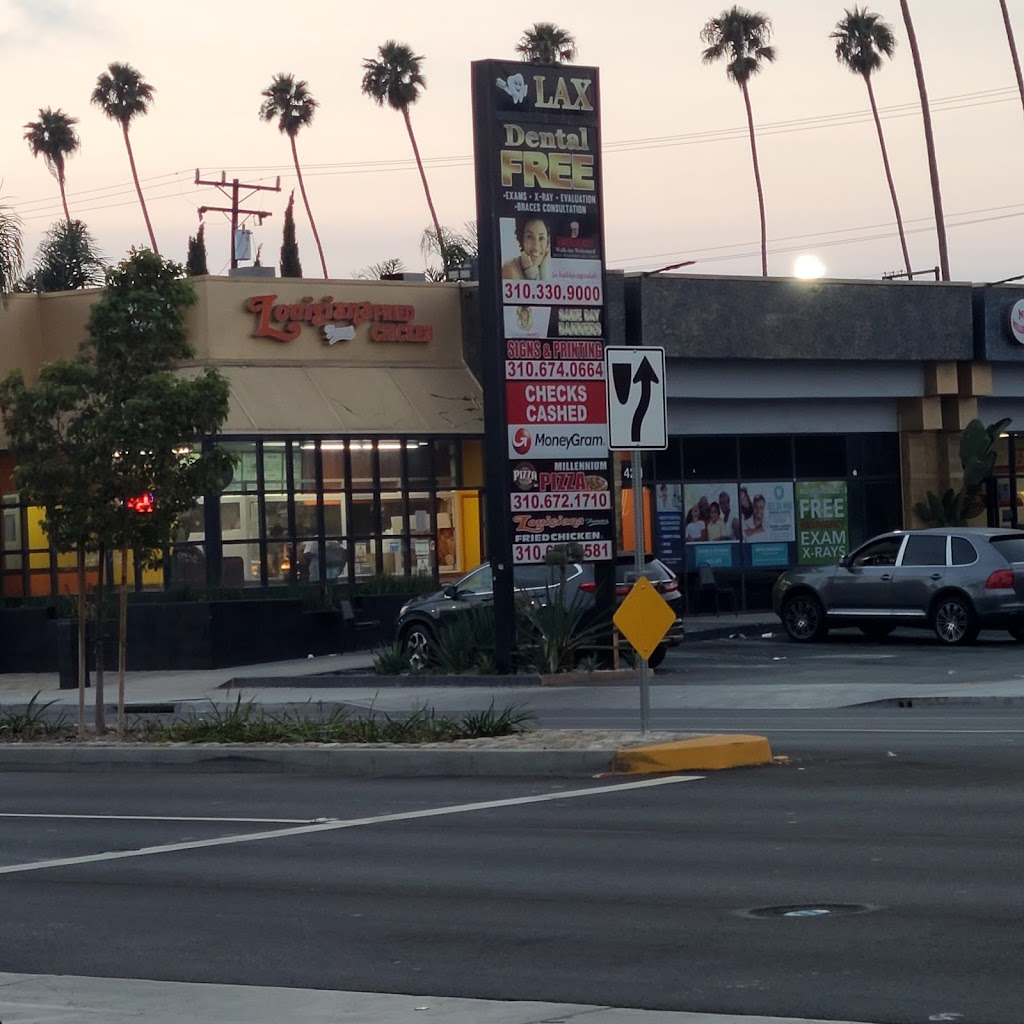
<point>161,817</point>
<point>334,825</point>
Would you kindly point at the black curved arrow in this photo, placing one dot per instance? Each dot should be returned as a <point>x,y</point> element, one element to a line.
<point>645,377</point>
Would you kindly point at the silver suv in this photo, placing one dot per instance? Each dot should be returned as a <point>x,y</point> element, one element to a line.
<point>954,580</point>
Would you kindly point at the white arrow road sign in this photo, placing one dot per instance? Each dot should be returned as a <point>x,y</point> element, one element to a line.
<point>637,410</point>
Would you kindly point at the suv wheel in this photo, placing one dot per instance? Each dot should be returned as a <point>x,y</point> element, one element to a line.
<point>417,642</point>
<point>803,618</point>
<point>954,621</point>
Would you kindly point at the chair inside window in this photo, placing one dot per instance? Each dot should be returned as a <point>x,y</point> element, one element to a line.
<point>712,592</point>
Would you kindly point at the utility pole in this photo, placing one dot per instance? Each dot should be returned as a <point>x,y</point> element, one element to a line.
<point>909,274</point>
<point>235,186</point>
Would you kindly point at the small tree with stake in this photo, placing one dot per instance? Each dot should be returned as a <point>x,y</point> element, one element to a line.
<point>114,443</point>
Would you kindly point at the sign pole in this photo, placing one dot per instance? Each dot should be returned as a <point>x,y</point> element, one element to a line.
<point>640,544</point>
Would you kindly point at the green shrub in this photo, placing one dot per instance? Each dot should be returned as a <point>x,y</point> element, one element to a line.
<point>33,723</point>
<point>465,644</point>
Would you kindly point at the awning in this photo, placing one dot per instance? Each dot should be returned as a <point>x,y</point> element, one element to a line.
<point>353,400</point>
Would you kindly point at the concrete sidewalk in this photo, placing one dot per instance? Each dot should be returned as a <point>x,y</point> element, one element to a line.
<point>76,1000</point>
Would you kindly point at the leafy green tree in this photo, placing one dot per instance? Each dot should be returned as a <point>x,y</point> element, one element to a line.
<point>68,258</point>
<point>48,429</point>
<point>195,261</point>
<point>929,141</point>
<point>123,94</point>
<point>11,253</point>
<point>291,265</point>
<point>396,78</point>
<point>741,39</point>
<point>53,137</point>
<point>546,43</point>
<point>292,104</point>
<point>862,40</point>
<point>115,445</point>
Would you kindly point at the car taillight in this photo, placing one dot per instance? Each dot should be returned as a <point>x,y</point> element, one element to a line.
<point>588,588</point>
<point>622,589</point>
<point>669,585</point>
<point>1001,579</point>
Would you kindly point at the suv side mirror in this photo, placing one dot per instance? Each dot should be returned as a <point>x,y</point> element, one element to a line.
<point>451,593</point>
<point>845,562</point>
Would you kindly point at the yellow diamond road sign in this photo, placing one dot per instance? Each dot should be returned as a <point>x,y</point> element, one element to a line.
<point>644,618</point>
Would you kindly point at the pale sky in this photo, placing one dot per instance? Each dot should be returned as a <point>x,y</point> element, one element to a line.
<point>678,179</point>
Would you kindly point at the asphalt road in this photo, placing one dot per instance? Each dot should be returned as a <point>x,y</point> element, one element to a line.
<point>626,894</point>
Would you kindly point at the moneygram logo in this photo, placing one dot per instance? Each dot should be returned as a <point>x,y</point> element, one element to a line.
<point>522,442</point>
<point>569,441</point>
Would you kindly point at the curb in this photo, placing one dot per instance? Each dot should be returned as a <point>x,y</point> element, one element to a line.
<point>704,753</point>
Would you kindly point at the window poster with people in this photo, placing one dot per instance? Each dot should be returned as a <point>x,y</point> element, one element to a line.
<point>536,133</point>
<point>767,521</point>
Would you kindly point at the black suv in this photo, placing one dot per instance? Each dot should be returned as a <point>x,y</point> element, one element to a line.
<point>422,617</point>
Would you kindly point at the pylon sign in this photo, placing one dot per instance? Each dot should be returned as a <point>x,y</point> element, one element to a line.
<point>637,398</point>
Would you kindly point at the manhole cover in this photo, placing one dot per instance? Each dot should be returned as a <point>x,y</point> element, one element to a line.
<point>809,910</point>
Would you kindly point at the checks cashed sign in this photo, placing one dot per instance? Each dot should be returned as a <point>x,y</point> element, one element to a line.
<point>541,232</point>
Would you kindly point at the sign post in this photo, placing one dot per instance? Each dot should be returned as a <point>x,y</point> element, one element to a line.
<point>638,421</point>
<point>536,132</point>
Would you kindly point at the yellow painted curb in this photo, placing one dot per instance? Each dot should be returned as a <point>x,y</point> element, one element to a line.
<point>700,754</point>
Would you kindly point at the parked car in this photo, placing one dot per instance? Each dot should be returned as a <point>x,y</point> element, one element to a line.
<point>953,580</point>
<point>421,618</point>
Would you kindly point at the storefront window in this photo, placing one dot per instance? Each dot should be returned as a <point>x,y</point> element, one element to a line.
<point>709,458</point>
<point>364,556</point>
<point>472,464</point>
<point>769,457</point>
<point>273,466</point>
<point>820,455</point>
<point>417,458</point>
<point>445,463</point>
<point>332,455</point>
<point>305,515</point>
<point>365,514</point>
<point>361,454</point>
<point>390,455</point>
<point>304,463</point>
<point>244,476</point>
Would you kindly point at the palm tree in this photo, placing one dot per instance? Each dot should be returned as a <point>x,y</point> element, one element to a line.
<point>546,43</point>
<point>862,39</point>
<point>741,37</point>
<point>122,94</point>
<point>396,78</point>
<point>1013,49</point>
<point>11,253</point>
<point>293,105</point>
<point>54,137</point>
<point>929,139</point>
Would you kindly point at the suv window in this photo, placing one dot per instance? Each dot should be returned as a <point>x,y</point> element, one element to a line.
<point>963,552</point>
<point>879,552</point>
<point>925,549</point>
<point>531,577</point>
<point>479,581</point>
<point>1011,547</point>
<point>654,569</point>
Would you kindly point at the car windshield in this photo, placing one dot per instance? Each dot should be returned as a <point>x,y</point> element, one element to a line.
<point>479,581</point>
<point>1010,547</point>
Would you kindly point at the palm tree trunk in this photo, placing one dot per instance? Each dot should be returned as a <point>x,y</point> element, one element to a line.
<point>929,139</point>
<point>1013,49</point>
<point>122,638</point>
<point>309,212</point>
<point>64,198</point>
<point>81,654</point>
<point>757,181</point>
<point>426,187</point>
<point>888,178</point>
<point>138,189</point>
